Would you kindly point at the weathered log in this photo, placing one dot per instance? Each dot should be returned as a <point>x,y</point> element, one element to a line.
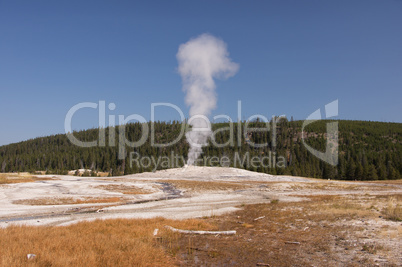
<point>290,242</point>
<point>201,232</point>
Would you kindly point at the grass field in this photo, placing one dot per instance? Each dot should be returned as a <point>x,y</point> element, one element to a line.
<point>100,243</point>
<point>10,178</point>
<point>358,230</point>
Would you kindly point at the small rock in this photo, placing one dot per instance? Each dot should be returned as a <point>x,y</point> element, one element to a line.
<point>31,256</point>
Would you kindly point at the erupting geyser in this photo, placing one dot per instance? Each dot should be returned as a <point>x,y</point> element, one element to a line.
<point>200,61</point>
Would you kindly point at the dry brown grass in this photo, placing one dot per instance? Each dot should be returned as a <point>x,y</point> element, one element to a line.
<point>99,243</point>
<point>334,186</point>
<point>323,230</point>
<point>261,241</point>
<point>103,174</point>
<point>397,182</point>
<point>318,185</point>
<point>291,234</point>
<point>393,209</point>
<point>391,233</point>
<point>67,201</point>
<point>124,189</point>
<point>205,185</point>
<point>336,205</point>
<point>10,178</point>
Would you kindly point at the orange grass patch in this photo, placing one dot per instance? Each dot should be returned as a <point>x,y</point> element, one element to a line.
<point>127,190</point>
<point>205,185</point>
<point>120,242</point>
<point>66,201</point>
<point>11,178</point>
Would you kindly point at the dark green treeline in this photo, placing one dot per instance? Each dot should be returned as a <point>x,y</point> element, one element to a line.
<point>367,150</point>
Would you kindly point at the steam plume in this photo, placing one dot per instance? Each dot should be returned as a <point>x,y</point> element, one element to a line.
<point>200,61</point>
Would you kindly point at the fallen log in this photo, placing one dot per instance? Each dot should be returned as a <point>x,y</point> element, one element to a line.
<point>200,249</point>
<point>259,218</point>
<point>291,242</point>
<point>200,232</point>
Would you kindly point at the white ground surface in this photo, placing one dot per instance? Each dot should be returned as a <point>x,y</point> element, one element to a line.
<point>164,201</point>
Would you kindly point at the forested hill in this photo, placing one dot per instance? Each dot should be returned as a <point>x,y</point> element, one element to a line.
<point>367,150</point>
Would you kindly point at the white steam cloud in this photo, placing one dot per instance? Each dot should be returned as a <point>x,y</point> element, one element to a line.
<point>200,61</point>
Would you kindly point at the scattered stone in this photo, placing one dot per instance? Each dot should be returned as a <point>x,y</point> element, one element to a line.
<point>31,256</point>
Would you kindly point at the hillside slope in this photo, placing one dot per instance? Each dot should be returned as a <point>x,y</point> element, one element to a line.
<point>367,150</point>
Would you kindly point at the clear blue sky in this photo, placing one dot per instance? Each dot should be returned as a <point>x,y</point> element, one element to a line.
<point>294,56</point>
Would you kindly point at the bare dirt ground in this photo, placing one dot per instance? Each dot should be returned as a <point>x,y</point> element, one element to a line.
<point>280,220</point>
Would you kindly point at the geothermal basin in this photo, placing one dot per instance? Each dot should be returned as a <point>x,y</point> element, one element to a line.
<point>190,192</point>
